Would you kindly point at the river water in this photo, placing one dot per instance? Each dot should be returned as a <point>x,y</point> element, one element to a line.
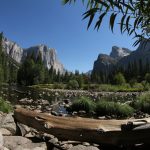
<point>15,93</point>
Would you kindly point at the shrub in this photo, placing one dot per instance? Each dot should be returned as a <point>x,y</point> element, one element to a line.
<point>83,103</point>
<point>143,103</point>
<point>147,77</point>
<point>4,106</point>
<point>119,79</point>
<point>73,84</point>
<point>132,82</point>
<point>112,108</point>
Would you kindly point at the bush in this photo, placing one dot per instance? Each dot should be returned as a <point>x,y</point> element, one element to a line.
<point>147,77</point>
<point>4,106</point>
<point>73,84</point>
<point>112,108</point>
<point>83,103</point>
<point>132,82</point>
<point>143,103</point>
<point>119,79</point>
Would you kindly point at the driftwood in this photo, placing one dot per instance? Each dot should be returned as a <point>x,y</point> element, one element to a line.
<point>115,132</point>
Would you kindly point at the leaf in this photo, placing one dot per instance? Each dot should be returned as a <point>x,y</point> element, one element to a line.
<point>98,23</point>
<point>122,23</point>
<point>90,20</point>
<point>127,23</point>
<point>131,31</point>
<point>112,20</point>
<point>136,22</point>
<point>103,3</point>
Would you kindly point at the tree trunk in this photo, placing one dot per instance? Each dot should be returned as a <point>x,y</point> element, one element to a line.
<point>89,130</point>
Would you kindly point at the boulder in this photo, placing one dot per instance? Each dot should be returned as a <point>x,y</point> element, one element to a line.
<point>8,123</point>
<point>1,139</point>
<point>19,143</point>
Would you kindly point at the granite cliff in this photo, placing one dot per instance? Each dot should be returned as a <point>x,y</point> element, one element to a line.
<point>121,57</point>
<point>18,54</point>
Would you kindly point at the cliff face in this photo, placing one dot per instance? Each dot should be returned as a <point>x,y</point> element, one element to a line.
<point>121,57</point>
<point>106,63</point>
<point>118,53</point>
<point>12,49</point>
<point>49,56</point>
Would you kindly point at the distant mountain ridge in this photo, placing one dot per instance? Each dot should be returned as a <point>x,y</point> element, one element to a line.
<point>106,63</point>
<point>18,54</point>
<point>124,59</point>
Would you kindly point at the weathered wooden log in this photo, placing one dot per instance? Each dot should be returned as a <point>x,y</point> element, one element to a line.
<point>84,129</point>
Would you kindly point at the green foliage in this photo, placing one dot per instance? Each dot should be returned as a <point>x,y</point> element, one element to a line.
<point>133,16</point>
<point>83,103</point>
<point>73,84</point>
<point>119,79</point>
<point>4,106</point>
<point>111,108</point>
<point>132,82</point>
<point>31,72</point>
<point>58,86</point>
<point>143,103</point>
<point>147,77</point>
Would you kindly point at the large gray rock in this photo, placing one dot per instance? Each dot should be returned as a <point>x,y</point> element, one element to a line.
<point>1,139</point>
<point>21,143</point>
<point>8,123</point>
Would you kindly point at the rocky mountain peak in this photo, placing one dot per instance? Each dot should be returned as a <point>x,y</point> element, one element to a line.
<point>106,59</point>
<point>119,53</point>
<point>49,55</point>
<point>12,49</point>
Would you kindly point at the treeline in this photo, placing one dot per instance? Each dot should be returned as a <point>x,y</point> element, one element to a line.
<point>33,72</point>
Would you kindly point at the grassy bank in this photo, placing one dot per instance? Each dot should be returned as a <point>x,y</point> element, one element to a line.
<point>138,87</point>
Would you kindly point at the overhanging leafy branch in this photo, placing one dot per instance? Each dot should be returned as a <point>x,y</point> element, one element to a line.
<point>135,15</point>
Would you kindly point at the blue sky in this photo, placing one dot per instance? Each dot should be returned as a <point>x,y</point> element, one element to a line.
<point>32,22</point>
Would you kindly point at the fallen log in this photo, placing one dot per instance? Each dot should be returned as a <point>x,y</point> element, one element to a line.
<point>115,132</point>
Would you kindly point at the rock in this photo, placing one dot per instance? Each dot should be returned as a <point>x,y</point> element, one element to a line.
<point>54,113</point>
<point>1,139</point>
<point>118,52</point>
<point>92,148</point>
<point>48,136</point>
<point>67,146</point>
<point>81,147</point>
<point>102,117</point>
<point>21,143</point>
<point>5,132</point>
<point>85,143</point>
<point>53,141</point>
<point>9,124</point>
<point>12,142</point>
<point>78,147</point>
<point>82,112</point>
